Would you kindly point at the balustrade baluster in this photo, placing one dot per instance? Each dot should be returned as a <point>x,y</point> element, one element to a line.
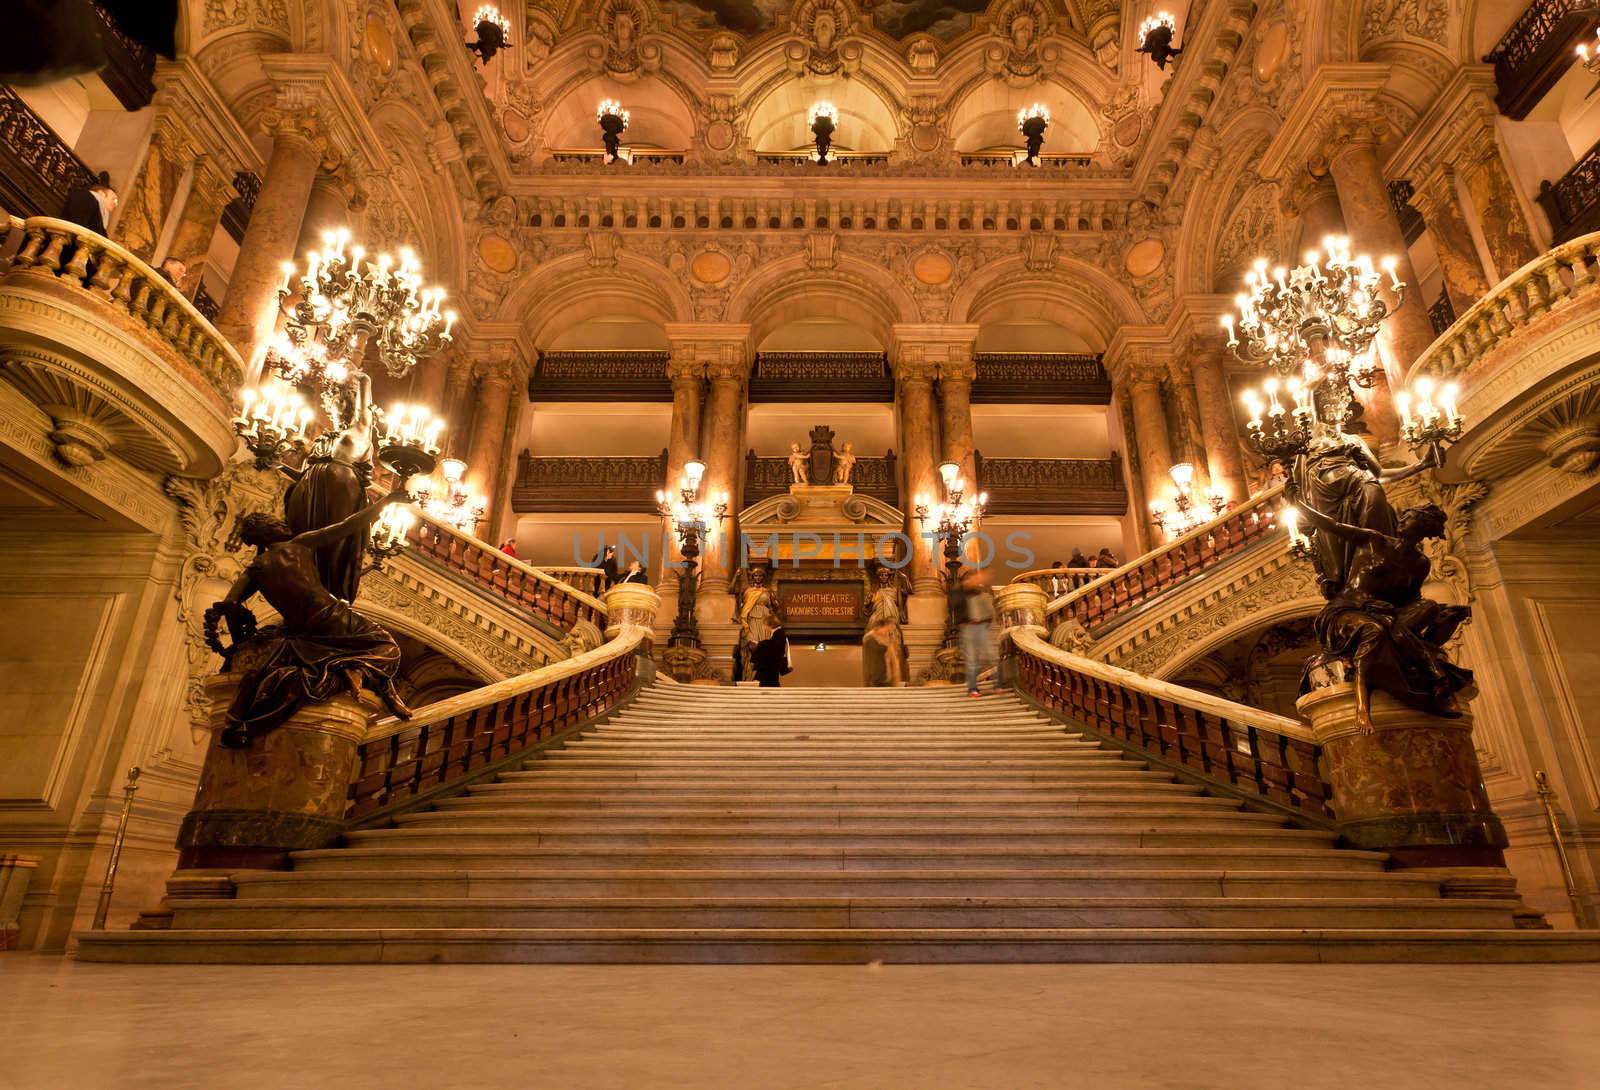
<point>77,267</point>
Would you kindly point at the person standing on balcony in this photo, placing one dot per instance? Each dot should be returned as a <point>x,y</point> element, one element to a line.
<point>175,272</point>
<point>90,206</point>
<point>509,547</point>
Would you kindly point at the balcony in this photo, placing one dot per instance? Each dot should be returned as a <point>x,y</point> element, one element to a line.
<point>1053,486</point>
<point>1054,378</point>
<point>625,485</point>
<point>124,366</point>
<point>1537,50</point>
<point>36,167</point>
<point>768,477</point>
<point>1573,201</point>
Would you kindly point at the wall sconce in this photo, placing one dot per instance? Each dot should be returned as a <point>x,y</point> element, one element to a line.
<point>494,33</point>
<point>1155,38</point>
<point>822,118</point>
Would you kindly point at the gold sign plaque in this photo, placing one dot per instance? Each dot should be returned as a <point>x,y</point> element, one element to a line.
<point>820,606</point>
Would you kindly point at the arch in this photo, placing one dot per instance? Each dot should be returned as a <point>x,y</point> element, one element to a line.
<point>854,290</point>
<point>568,294</point>
<point>658,114</point>
<point>1260,620</point>
<point>424,191</point>
<point>401,623</point>
<point>778,121</point>
<point>1211,204</point>
<point>1079,297</point>
<point>986,117</point>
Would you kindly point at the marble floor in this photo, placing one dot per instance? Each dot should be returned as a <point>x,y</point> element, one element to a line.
<point>69,1026</point>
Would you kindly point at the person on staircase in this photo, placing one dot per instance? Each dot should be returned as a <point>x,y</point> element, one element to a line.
<point>881,665</point>
<point>977,625</point>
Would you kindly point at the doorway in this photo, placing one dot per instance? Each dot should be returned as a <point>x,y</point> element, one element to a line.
<point>824,664</point>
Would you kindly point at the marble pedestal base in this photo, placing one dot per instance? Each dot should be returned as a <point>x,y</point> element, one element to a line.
<point>285,792</point>
<point>1411,788</point>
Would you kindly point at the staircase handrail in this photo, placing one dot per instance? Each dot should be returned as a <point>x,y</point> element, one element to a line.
<point>1076,577</point>
<point>1514,302</point>
<point>445,744</point>
<point>1245,750</point>
<point>492,569</point>
<point>1142,578</point>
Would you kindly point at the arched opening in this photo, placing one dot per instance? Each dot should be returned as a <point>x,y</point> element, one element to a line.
<point>657,116</point>
<point>780,122</point>
<point>986,120</point>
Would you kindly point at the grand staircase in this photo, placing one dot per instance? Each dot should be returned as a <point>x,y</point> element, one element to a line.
<point>914,825</point>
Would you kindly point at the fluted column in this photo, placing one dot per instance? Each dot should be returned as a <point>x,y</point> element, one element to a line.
<point>249,311</point>
<point>1218,429</point>
<point>1506,230</point>
<point>1364,198</point>
<point>1150,434</point>
<point>1462,270</point>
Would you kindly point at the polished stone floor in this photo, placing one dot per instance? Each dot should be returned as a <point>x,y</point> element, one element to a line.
<point>68,1026</point>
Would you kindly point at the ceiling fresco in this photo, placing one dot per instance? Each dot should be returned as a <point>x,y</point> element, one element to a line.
<point>944,19</point>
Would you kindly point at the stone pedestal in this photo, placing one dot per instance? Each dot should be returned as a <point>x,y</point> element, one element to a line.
<point>1411,788</point>
<point>285,792</point>
<point>631,606</point>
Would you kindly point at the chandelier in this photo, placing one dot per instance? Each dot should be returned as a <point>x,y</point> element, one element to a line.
<point>494,33</point>
<point>613,123</point>
<point>823,117</point>
<point>1031,123</point>
<point>272,421</point>
<point>1155,38</point>
<point>1188,512</point>
<point>458,506</point>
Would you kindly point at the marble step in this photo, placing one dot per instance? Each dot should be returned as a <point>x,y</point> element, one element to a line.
<point>848,946</point>
<point>1119,913</point>
<point>1021,860</point>
<point>885,786</point>
<point>1056,800</point>
<point>802,745</point>
<point>1104,882</point>
<point>484,835</point>
<point>1014,820</point>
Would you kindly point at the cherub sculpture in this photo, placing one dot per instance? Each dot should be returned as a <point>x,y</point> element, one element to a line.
<point>844,463</point>
<point>799,464</point>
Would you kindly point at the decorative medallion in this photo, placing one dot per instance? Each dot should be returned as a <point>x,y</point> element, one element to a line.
<point>517,127</point>
<point>1272,52</point>
<point>1145,257</point>
<point>378,45</point>
<point>932,269</point>
<point>710,267</point>
<point>498,254</point>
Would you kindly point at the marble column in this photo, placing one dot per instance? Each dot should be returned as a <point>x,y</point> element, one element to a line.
<point>327,209</point>
<point>955,414</point>
<point>724,431</point>
<point>458,380</point>
<point>249,311</point>
<point>688,375</point>
<point>1506,230</point>
<point>1218,428</point>
<point>489,429</point>
<point>1375,231</point>
<point>198,221</point>
<point>1462,270</point>
<point>429,379</point>
<point>1316,208</point>
<point>913,386</point>
<point>1150,436</point>
<point>1185,433</point>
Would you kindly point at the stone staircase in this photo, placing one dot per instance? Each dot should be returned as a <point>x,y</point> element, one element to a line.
<point>849,826</point>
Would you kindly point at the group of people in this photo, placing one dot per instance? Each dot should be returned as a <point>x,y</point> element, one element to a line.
<point>91,206</point>
<point>615,573</point>
<point>1078,570</point>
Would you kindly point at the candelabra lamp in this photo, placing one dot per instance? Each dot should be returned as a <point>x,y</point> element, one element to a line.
<point>494,33</point>
<point>1155,38</point>
<point>1590,55</point>
<point>391,532</point>
<point>273,421</point>
<point>823,118</point>
<point>1187,511</point>
<point>408,440</point>
<point>613,123</point>
<point>690,518</point>
<point>456,504</point>
<point>1031,123</point>
<point>1428,417</point>
<point>951,520</point>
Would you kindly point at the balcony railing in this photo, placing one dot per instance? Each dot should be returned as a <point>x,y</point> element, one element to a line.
<point>821,376</point>
<point>73,256</point>
<point>1242,750</point>
<point>1573,201</point>
<point>1537,51</point>
<point>1101,602</point>
<point>623,485</point>
<point>1058,581</point>
<point>1057,378</point>
<point>600,376</point>
<point>1567,272</point>
<point>37,169</point>
<point>1058,486</point>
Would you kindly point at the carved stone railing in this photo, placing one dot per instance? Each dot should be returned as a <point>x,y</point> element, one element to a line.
<point>627,484</point>
<point>1064,486</point>
<point>71,255</point>
<point>1102,602</point>
<point>1573,201</point>
<point>600,376</point>
<point>543,595</point>
<point>1564,275</point>
<point>1537,51</point>
<point>1057,378</point>
<point>37,168</point>
<point>768,477</point>
<point>445,745</point>
<point>1242,750</point>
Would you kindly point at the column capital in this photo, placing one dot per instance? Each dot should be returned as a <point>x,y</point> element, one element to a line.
<point>923,351</point>
<point>1334,94</point>
<point>1139,355</point>
<point>497,364</point>
<point>963,371</point>
<point>313,100</point>
<point>721,349</point>
<point>684,366</point>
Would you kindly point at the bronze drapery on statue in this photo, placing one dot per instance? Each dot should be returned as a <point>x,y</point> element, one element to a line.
<point>334,487</point>
<point>322,648</point>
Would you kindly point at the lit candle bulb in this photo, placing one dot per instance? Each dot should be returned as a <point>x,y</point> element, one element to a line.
<point>449,321</point>
<point>1227,323</point>
<point>1271,387</point>
<point>1252,404</point>
<point>1391,266</point>
<point>1402,402</point>
<point>1447,398</point>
